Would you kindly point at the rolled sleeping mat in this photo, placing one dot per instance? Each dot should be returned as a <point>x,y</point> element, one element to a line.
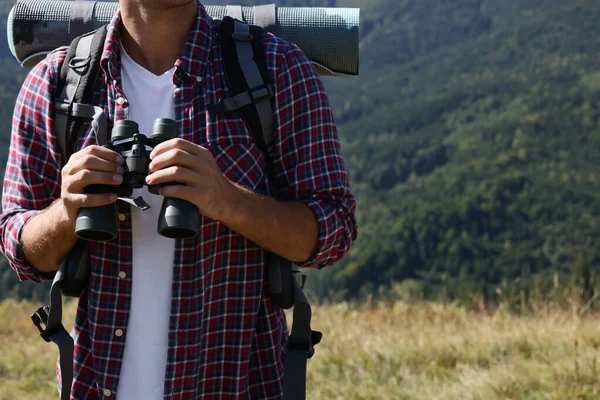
<point>328,36</point>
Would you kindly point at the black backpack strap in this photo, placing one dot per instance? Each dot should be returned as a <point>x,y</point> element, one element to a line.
<point>300,347</point>
<point>75,90</point>
<point>248,79</point>
<point>72,108</point>
<point>48,319</point>
<point>252,96</point>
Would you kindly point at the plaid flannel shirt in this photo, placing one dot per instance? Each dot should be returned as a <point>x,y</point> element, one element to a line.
<point>226,338</point>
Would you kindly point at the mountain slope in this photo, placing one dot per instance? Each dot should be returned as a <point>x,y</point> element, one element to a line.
<point>471,138</point>
<point>477,161</point>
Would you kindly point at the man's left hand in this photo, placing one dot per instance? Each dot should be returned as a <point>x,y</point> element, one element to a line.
<point>202,182</point>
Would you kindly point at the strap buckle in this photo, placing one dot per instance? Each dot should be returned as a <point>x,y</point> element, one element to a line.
<point>307,346</point>
<point>261,93</point>
<point>215,109</point>
<point>242,37</point>
<point>315,339</point>
<point>63,107</point>
<point>300,277</point>
<point>40,320</point>
<point>229,104</point>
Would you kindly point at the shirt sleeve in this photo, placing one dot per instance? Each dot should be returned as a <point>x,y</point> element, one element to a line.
<point>307,159</point>
<point>32,176</point>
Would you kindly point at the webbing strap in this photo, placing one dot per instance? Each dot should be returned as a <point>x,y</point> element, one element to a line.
<point>61,338</point>
<point>82,18</point>
<point>78,65</point>
<point>66,348</point>
<point>243,63</point>
<point>74,90</point>
<point>300,347</point>
<point>234,12</point>
<point>60,122</point>
<point>48,320</point>
<point>241,100</point>
<point>74,266</point>
<point>78,76</point>
<point>266,17</point>
<point>243,43</point>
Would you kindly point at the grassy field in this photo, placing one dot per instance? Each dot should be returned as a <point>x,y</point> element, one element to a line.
<point>391,351</point>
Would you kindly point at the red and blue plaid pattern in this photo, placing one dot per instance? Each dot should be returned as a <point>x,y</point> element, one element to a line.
<point>226,339</point>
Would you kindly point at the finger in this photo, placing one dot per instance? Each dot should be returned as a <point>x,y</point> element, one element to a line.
<point>173,174</point>
<point>179,192</point>
<point>90,200</point>
<point>95,163</point>
<point>99,151</point>
<point>173,157</point>
<point>178,144</point>
<point>86,177</point>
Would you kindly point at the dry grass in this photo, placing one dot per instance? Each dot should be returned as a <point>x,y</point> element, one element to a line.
<point>390,351</point>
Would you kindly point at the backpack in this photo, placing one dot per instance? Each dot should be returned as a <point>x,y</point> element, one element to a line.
<point>252,94</point>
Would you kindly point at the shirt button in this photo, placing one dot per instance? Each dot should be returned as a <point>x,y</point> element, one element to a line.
<point>199,79</point>
<point>122,274</point>
<point>121,101</point>
<point>118,333</point>
<point>107,393</point>
<point>122,217</point>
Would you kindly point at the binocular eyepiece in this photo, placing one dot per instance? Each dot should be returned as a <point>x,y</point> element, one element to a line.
<point>178,219</point>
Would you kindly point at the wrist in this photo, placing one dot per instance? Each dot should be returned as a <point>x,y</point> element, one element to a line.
<point>232,198</point>
<point>227,204</point>
<point>63,214</point>
<point>47,237</point>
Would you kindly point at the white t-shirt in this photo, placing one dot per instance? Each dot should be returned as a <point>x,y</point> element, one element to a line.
<point>146,338</point>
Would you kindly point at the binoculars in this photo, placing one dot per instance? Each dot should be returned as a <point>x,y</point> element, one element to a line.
<point>178,219</point>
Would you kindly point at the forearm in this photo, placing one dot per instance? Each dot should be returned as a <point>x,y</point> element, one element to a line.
<point>286,228</point>
<point>48,237</point>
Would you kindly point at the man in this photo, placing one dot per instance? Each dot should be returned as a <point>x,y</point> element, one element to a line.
<point>190,318</point>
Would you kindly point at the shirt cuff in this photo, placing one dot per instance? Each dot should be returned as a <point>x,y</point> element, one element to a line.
<point>14,251</point>
<point>334,234</point>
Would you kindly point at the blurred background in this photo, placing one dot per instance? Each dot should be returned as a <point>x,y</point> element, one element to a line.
<point>472,141</point>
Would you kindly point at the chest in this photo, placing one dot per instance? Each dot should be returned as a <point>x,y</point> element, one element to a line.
<point>226,136</point>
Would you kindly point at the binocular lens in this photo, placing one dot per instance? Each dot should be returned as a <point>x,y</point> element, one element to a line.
<point>178,219</point>
<point>124,129</point>
<point>97,223</point>
<point>164,128</point>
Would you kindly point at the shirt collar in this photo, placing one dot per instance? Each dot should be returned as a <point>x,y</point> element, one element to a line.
<point>192,61</point>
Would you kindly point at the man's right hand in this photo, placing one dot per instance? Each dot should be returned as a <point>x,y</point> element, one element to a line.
<point>49,236</point>
<point>92,165</point>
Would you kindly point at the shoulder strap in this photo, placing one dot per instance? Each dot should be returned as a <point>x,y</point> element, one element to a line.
<point>248,80</point>
<point>72,107</point>
<point>48,319</point>
<point>75,89</point>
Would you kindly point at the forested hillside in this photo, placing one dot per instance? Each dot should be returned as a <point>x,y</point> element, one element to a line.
<point>472,139</point>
